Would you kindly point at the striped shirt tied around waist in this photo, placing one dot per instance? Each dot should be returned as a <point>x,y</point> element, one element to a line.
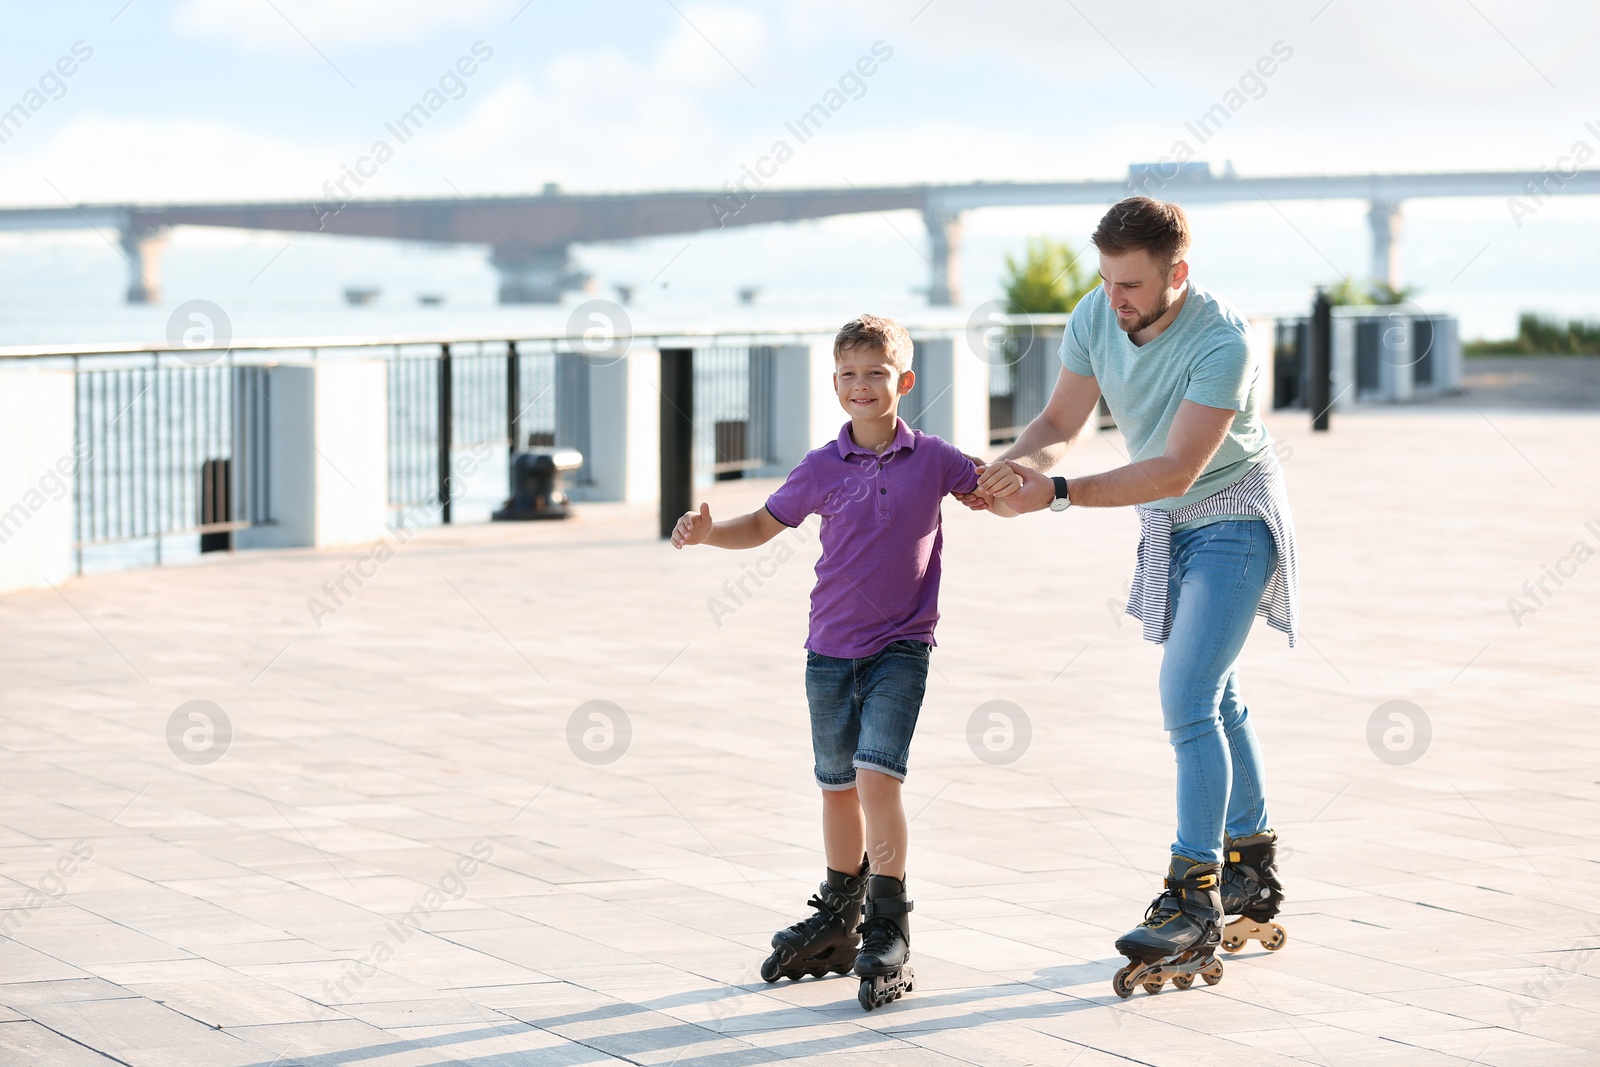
<point>1262,492</point>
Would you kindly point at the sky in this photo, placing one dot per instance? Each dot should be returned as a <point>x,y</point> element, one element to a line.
<point>224,99</point>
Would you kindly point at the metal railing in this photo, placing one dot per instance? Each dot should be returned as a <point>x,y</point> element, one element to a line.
<point>733,409</point>
<point>1022,373</point>
<point>175,444</point>
<point>168,449</point>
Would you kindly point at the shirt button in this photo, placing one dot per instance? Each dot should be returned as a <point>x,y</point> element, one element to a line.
<point>883,490</point>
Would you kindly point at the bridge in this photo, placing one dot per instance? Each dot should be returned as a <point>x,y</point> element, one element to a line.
<point>530,237</point>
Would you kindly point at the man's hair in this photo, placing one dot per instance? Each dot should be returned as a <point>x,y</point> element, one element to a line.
<point>875,331</point>
<point>1158,227</point>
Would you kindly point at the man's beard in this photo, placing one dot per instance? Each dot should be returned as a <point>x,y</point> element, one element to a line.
<point>1145,320</point>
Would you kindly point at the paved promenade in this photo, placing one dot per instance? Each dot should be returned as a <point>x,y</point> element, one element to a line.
<point>540,794</point>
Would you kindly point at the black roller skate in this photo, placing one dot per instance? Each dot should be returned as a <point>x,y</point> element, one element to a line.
<point>1178,938</point>
<point>883,964</point>
<point>1252,890</point>
<point>825,940</point>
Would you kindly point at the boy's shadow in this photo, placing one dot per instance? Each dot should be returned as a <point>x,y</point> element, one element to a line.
<point>970,1006</point>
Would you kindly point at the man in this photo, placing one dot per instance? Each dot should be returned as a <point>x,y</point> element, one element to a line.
<point>1216,548</point>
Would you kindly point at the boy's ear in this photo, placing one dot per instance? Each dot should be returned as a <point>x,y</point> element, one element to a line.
<point>907,380</point>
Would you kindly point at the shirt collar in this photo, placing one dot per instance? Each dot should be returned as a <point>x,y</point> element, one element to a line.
<point>902,439</point>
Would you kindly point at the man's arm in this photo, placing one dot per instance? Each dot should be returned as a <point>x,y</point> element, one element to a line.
<point>1046,439</point>
<point>1042,442</point>
<point>747,531</point>
<point>1196,434</point>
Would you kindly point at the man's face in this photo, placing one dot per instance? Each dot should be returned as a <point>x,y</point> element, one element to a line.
<point>1139,290</point>
<point>868,385</point>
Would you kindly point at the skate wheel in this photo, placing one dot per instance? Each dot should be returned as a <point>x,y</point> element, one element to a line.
<point>1280,937</point>
<point>865,998</point>
<point>1232,944</point>
<point>769,969</point>
<point>1119,982</point>
<point>1183,981</point>
<point>1154,986</point>
<point>1212,974</point>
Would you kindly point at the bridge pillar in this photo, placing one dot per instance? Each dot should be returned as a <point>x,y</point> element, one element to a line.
<point>142,247</point>
<point>944,246</point>
<point>1384,218</point>
<point>536,275</point>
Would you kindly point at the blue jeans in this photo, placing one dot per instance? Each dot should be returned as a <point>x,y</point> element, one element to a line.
<point>1218,575</point>
<point>863,711</point>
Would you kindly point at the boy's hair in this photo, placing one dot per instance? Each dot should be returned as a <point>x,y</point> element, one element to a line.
<point>875,331</point>
<point>1158,227</point>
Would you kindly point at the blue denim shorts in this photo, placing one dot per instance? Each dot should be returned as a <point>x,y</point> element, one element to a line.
<point>863,711</point>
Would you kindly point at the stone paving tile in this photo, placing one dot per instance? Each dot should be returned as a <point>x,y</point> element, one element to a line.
<point>1439,910</point>
<point>29,1043</point>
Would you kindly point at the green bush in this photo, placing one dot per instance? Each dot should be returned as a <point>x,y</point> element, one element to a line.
<point>1348,292</point>
<point>1049,280</point>
<point>1541,336</point>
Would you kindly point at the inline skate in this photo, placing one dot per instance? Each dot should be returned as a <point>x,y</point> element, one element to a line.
<point>1252,890</point>
<point>1179,936</point>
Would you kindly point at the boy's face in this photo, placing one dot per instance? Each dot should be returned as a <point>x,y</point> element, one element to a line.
<point>867,383</point>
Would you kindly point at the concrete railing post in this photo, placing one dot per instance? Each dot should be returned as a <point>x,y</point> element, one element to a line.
<point>805,407</point>
<point>328,455</point>
<point>953,393</point>
<point>624,424</point>
<point>38,466</point>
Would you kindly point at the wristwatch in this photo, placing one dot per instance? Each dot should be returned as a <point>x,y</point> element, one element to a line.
<point>1061,502</point>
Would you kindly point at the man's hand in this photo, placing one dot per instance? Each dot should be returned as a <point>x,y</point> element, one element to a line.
<point>1027,489</point>
<point>1036,493</point>
<point>693,528</point>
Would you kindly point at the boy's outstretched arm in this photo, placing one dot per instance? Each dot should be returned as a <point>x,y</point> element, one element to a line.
<point>747,531</point>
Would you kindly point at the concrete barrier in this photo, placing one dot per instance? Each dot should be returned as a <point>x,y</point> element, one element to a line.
<point>37,467</point>
<point>328,464</point>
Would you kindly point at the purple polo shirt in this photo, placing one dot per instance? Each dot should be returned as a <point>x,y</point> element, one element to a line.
<point>878,578</point>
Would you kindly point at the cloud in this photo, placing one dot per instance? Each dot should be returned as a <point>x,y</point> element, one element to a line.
<point>295,27</point>
<point>595,119</point>
<point>709,43</point>
<point>98,158</point>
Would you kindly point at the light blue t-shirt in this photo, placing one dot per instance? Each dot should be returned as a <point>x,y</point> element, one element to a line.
<point>1204,356</point>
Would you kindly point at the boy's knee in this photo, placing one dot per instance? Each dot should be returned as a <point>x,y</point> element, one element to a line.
<point>874,785</point>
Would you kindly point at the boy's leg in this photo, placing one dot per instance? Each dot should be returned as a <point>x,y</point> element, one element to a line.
<point>893,686</point>
<point>826,940</point>
<point>885,819</point>
<point>842,829</point>
<point>891,699</point>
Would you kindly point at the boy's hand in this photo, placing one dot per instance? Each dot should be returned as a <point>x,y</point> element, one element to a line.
<point>999,479</point>
<point>975,501</point>
<point>693,528</point>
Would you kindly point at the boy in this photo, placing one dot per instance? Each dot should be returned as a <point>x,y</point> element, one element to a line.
<point>878,488</point>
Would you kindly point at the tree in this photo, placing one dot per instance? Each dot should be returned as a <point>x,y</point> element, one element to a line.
<point>1348,292</point>
<point>1050,280</point>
